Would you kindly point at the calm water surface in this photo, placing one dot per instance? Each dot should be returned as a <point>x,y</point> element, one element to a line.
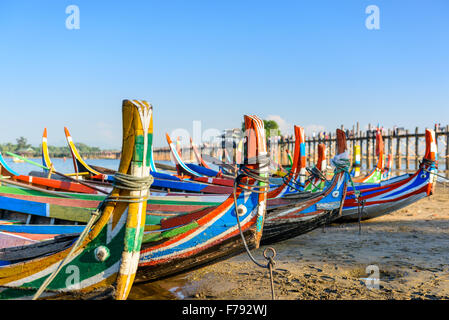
<point>61,165</point>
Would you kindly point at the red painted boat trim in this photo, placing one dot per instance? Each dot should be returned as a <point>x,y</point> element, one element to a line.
<point>55,184</point>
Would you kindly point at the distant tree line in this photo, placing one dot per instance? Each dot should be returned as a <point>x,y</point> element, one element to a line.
<point>22,147</point>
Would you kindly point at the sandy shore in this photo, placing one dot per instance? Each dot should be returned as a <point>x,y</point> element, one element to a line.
<point>409,247</point>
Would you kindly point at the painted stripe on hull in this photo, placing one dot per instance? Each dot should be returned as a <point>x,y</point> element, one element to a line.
<point>42,229</point>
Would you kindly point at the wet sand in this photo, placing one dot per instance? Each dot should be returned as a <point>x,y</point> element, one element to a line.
<point>410,248</point>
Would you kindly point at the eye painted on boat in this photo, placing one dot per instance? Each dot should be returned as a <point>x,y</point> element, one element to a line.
<point>241,210</point>
<point>423,175</point>
<point>335,194</point>
<point>102,253</point>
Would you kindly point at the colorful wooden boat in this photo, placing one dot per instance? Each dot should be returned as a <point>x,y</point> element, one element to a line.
<point>385,196</point>
<point>198,173</point>
<point>163,206</point>
<point>81,167</point>
<point>199,202</point>
<point>295,213</point>
<point>74,208</point>
<point>162,180</point>
<point>53,184</point>
<point>376,174</point>
<point>308,211</point>
<point>315,181</point>
<point>102,261</point>
<point>203,237</point>
<point>395,193</point>
<point>38,206</point>
<point>46,160</point>
<point>294,181</point>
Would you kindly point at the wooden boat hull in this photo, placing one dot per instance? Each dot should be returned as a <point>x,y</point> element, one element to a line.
<point>377,210</point>
<point>288,230</point>
<point>398,192</point>
<point>225,250</point>
<point>308,211</point>
<point>387,198</point>
<point>191,186</point>
<point>216,181</point>
<point>201,238</point>
<point>289,221</point>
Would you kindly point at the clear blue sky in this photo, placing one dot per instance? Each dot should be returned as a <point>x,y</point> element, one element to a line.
<point>310,63</point>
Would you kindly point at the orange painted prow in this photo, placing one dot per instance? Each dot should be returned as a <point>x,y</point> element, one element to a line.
<point>66,131</point>
<point>168,138</point>
<point>178,169</point>
<point>431,146</point>
<point>379,150</point>
<point>297,152</point>
<point>341,141</point>
<point>321,165</point>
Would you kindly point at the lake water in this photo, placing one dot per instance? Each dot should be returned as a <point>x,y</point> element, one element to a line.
<point>60,165</point>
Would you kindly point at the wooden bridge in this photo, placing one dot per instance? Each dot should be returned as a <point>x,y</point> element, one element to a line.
<point>407,148</point>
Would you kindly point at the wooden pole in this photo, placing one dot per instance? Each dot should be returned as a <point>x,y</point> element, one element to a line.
<point>308,149</point>
<point>398,152</point>
<point>368,149</point>
<point>406,150</point>
<point>283,154</point>
<point>416,148</point>
<point>313,152</point>
<point>447,151</point>
<point>358,130</point>
<point>223,148</point>
<point>373,147</point>
<point>351,153</point>
<point>332,144</point>
<point>390,147</point>
<point>50,171</point>
<point>292,143</point>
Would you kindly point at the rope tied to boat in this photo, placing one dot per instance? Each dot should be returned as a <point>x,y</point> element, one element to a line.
<point>130,183</point>
<point>121,181</point>
<point>343,165</point>
<point>289,178</point>
<point>245,172</point>
<point>359,213</point>
<point>431,164</point>
<point>314,172</point>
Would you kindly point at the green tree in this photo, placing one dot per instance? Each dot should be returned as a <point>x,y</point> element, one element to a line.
<point>22,143</point>
<point>271,128</point>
